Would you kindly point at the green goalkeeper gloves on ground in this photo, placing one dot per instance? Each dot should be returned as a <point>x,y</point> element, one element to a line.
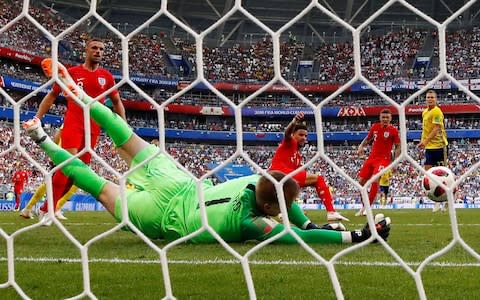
<point>382,224</point>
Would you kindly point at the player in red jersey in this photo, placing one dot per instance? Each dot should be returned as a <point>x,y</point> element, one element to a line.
<point>287,158</point>
<point>384,136</point>
<point>95,81</point>
<point>20,178</point>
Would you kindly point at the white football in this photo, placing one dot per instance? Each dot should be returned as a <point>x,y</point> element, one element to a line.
<point>432,189</point>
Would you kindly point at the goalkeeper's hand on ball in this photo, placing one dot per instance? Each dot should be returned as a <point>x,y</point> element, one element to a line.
<point>382,224</point>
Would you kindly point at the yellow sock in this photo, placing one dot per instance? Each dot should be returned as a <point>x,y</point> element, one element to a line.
<point>383,200</point>
<point>39,193</point>
<point>65,197</point>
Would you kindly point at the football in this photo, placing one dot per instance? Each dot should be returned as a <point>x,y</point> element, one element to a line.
<point>432,189</point>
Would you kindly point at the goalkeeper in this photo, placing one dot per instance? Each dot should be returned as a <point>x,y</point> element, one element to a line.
<point>164,203</point>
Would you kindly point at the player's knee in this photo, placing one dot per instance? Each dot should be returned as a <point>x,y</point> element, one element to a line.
<point>108,195</point>
<point>321,184</point>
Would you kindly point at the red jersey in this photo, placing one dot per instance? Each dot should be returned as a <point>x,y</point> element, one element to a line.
<point>287,156</point>
<point>93,83</point>
<point>383,140</point>
<point>19,179</point>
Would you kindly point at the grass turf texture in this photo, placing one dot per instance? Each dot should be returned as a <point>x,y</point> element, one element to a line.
<point>122,266</point>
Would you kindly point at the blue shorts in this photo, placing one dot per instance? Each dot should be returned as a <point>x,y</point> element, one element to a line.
<point>436,157</point>
<point>384,189</point>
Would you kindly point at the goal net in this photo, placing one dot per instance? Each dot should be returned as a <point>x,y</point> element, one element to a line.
<point>352,57</point>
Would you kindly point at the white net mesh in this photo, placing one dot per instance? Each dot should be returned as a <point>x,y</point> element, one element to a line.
<point>244,259</point>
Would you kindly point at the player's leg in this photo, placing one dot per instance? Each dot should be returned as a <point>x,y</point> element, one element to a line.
<point>432,158</point>
<point>73,189</point>
<point>323,192</point>
<point>361,211</point>
<point>60,184</point>
<point>387,190</point>
<point>18,194</point>
<point>39,193</point>
<point>383,196</point>
<point>444,162</point>
<point>106,192</point>
<point>58,181</point>
<point>372,193</point>
<point>379,166</point>
<point>363,175</point>
<point>128,143</point>
<point>61,202</point>
<point>71,141</point>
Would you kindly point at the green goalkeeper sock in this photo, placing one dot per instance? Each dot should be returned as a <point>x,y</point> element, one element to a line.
<point>112,123</point>
<point>82,176</point>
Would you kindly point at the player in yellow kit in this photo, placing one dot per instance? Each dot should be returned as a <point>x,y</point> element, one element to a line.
<point>384,187</point>
<point>434,137</point>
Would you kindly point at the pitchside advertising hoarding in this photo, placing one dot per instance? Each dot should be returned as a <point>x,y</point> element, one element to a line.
<point>84,202</point>
<point>78,202</point>
<point>87,203</point>
<point>337,111</point>
<point>429,205</point>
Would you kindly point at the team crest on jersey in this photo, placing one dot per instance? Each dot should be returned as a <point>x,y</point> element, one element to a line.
<point>386,134</point>
<point>102,81</point>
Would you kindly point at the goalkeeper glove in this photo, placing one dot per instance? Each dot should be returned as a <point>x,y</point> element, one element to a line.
<point>312,226</point>
<point>382,224</point>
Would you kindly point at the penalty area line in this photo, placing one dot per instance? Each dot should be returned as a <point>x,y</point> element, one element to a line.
<point>232,262</point>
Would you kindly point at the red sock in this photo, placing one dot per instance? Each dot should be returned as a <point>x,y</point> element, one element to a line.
<point>61,184</point>
<point>324,193</point>
<point>372,194</point>
<point>17,201</point>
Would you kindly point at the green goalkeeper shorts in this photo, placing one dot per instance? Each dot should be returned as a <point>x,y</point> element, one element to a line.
<point>156,183</point>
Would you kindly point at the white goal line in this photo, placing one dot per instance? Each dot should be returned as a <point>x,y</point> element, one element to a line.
<point>233,262</point>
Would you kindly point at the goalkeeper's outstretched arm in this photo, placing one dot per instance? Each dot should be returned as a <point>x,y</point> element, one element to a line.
<point>263,228</point>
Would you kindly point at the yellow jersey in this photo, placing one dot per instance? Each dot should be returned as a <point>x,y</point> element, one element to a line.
<point>385,178</point>
<point>430,118</point>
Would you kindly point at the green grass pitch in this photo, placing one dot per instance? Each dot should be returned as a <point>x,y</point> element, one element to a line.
<point>122,266</point>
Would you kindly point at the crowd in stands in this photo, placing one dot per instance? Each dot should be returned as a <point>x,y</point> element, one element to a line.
<point>186,122</point>
<point>23,35</point>
<point>241,63</point>
<point>462,53</point>
<point>287,100</point>
<point>335,62</point>
<point>21,71</point>
<point>387,56</point>
<point>384,57</point>
<point>270,100</point>
<point>196,157</point>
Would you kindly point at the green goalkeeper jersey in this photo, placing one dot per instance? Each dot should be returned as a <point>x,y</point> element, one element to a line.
<point>165,204</point>
<point>233,214</point>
